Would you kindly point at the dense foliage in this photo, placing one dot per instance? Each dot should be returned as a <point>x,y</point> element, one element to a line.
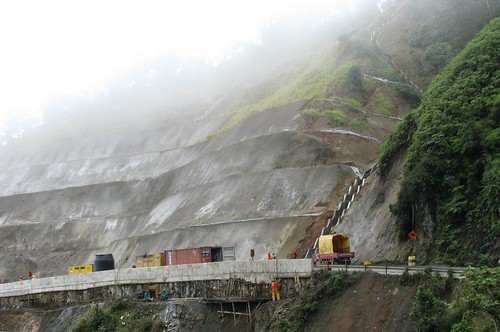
<point>476,307</point>
<point>118,316</point>
<point>447,25</point>
<point>453,158</point>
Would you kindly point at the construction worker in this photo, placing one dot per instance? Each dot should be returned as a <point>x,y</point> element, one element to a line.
<point>147,296</point>
<point>275,289</point>
<point>21,279</point>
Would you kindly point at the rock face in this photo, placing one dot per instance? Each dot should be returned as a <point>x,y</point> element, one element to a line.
<point>374,233</point>
<point>170,187</point>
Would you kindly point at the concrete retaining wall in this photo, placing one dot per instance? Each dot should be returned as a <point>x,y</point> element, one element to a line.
<point>249,271</point>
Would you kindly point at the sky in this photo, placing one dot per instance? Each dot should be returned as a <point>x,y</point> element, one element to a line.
<point>55,48</point>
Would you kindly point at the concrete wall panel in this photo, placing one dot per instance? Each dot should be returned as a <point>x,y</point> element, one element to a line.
<point>251,271</point>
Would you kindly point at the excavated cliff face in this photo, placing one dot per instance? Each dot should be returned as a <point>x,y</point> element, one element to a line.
<point>256,186</point>
<point>374,232</point>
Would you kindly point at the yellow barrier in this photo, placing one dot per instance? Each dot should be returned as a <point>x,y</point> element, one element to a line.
<point>411,260</point>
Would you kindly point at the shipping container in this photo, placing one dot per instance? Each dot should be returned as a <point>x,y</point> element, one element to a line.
<point>150,260</point>
<point>79,269</point>
<point>193,255</point>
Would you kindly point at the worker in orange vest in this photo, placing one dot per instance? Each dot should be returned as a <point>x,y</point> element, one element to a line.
<point>275,289</point>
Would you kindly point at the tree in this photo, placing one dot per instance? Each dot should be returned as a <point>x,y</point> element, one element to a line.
<point>438,55</point>
<point>355,78</point>
<point>427,310</point>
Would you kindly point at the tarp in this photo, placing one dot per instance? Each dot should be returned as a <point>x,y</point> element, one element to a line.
<point>337,242</point>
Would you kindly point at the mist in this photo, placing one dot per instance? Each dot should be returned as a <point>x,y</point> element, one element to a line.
<point>172,84</point>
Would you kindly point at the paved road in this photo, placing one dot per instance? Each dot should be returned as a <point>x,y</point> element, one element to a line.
<point>457,272</point>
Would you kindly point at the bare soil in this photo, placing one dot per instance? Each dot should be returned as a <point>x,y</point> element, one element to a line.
<point>374,303</point>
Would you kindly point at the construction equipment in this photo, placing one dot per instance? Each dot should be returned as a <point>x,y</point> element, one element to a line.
<point>333,249</point>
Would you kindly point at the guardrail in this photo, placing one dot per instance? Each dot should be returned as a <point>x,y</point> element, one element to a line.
<point>455,272</point>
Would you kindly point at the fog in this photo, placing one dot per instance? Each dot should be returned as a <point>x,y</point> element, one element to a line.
<point>80,67</point>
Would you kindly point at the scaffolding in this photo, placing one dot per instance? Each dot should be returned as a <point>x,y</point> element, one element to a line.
<point>228,306</point>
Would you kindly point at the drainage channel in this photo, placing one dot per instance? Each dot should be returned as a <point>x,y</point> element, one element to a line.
<point>343,206</point>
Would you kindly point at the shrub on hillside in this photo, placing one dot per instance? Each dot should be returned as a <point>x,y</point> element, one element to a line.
<point>355,78</point>
<point>438,55</point>
<point>475,308</point>
<point>427,311</point>
<point>120,315</point>
<point>409,93</point>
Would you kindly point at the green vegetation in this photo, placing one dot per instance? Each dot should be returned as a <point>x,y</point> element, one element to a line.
<point>363,55</point>
<point>434,282</point>
<point>323,284</point>
<point>119,316</point>
<point>427,311</point>
<point>346,83</point>
<point>306,78</point>
<point>336,117</point>
<point>355,78</point>
<point>340,112</point>
<point>452,24</point>
<point>332,72</point>
<point>407,93</point>
<point>381,104</point>
<point>476,306</point>
<point>438,55</point>
<point>452,165</point>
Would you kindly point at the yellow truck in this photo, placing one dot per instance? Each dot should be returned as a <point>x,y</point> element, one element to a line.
<point>333,248</point>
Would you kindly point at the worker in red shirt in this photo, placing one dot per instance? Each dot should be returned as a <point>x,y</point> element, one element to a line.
<point>275,289</point>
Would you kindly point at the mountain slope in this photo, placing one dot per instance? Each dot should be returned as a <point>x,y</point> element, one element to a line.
<point>451,166</point>
<point>256,161</point>
<point>252,187</point>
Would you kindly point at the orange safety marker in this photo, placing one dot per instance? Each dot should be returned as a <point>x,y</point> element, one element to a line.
<point>412,235</point>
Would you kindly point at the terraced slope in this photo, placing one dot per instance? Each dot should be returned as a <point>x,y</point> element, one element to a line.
<point>260,185</point>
